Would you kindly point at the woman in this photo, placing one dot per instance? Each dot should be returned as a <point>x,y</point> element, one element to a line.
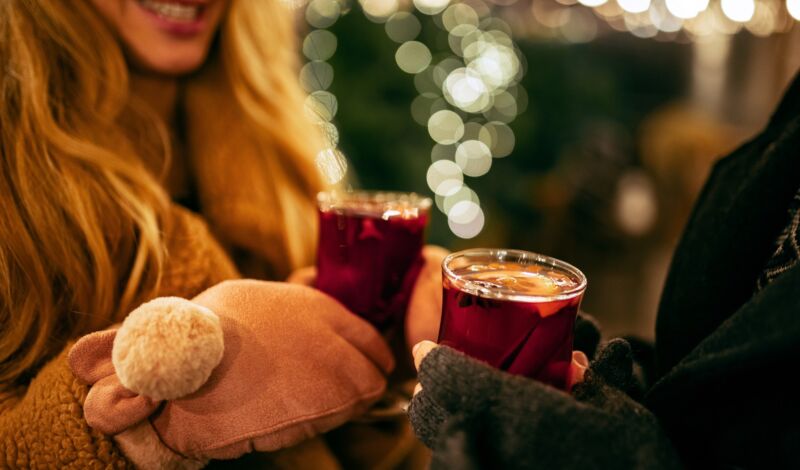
<point>727,342</point>
<point>130,131</point>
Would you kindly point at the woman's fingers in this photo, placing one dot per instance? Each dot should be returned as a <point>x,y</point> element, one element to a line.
<point>305,276</point>
<point>421,350</point>
<point>577,369</point>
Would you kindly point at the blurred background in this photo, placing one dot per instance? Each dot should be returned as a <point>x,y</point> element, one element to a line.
<point>579,129</point>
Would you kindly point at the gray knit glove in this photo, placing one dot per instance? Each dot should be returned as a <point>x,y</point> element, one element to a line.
<point>474,416</point>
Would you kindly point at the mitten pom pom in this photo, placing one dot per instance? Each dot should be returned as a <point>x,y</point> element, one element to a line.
<point>167,348</point>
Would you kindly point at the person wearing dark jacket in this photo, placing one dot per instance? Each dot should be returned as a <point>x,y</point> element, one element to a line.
<point>727,344</point>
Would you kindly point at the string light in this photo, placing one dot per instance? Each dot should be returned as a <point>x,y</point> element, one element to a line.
<point>465,99</point>
<point>740,11</point>
<point>316,77</point>
<point>793,7</point>
<point>634,6</point>
<point>663,19</point>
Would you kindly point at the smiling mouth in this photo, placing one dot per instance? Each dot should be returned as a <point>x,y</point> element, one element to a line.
<point>173,10</point>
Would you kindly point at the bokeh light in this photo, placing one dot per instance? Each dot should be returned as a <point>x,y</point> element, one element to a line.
<point>498,137</point>
<point>413,57</point>
<point>793,6</point>
<point>474,158</point>
<point>464,89</point>
<point>446,203</point>
<point>466,98</point>
<point>379,10</point>
<point>323,13</point>
<point>592,3</point>
<point>635,208</point>
<point>504,108</point>
<point>445,127</point>
<point>316,75</point>
<point>431,7</point>
<point>765,19</point>
<point>683,9</point>
<point>321,105</point>
<point>319,44</point>
<point>330,133</point>
<point>740,11</point>
<point>459,14</point>
<point>444,177</point>
<point>465,219</point>
<point>663,19</point>
<point>443,69</point>
<point>579,26</point>
<point>402,27</point>
<point>634,6</point>
<point>332,165</point>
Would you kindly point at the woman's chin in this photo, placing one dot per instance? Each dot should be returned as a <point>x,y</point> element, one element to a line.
<point>169,64</point>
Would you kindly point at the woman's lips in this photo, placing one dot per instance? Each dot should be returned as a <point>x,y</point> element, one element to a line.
<point>179,17</point>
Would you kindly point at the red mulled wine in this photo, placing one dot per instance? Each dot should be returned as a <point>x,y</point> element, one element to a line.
<point>512,309</point>
<point>370,251</point>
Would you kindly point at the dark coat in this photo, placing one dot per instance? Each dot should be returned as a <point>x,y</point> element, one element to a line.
<point>725,355</point>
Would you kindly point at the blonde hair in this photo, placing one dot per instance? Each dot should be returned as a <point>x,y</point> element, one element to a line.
<point>79,195</point>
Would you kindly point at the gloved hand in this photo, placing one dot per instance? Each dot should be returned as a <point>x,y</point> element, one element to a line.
<point>475,416</point>
<point>246,365</point>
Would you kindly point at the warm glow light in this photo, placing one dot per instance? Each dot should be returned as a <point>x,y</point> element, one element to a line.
<point>683,9</point>
<point>445,127</point>
<point>459,14</point>
<point>580,26</point>
<point>444,177</point>
<point>319,44</point>
<point>498,137</point>
<point>635,206</point>
<point>663,19</point>
<point>446,203</point>
<point>330,133</point>
<point>323,13</point>
<point>592,3</point>
<point>794,8</point>
<point>764,20</point>
<point>413,57</point>
<point>739,10</point>
<point>474,158</point>
<point>634,6</point>
<point>465,219</point>
<point>402,27</point>
<point>332,164</point>
<point>316,75</point>
<point>431,7</point>
<point>321,106</point>
<point>379,10</point>
<point>464,89</point>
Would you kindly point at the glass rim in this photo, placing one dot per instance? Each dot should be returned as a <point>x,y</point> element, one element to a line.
<point>499,254</point>
<point>337,199</point>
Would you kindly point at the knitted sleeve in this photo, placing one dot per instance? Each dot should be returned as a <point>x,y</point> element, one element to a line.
<point>44,426</point>
<point>474,416</point>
